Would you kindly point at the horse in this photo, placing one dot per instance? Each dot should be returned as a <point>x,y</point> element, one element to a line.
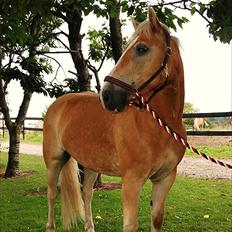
<point>200,123</point>
<point>105,135</point>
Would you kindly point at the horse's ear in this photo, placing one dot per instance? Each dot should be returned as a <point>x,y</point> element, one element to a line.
<point>155,24</point>
<point>134,22</point>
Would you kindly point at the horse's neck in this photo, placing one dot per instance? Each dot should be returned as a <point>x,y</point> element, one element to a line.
<point>169,102</point>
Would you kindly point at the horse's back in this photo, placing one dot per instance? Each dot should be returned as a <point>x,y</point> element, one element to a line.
<point>72,102</point>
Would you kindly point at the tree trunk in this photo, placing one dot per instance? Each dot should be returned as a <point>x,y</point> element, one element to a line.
<point>115,32</point>
<point>13,154</point>
<point>14,129</point>
<point>75,43</point>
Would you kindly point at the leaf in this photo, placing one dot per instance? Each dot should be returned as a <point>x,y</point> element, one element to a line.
<point>124,6</point>
<point>202,8</point>
<point>193,10</point>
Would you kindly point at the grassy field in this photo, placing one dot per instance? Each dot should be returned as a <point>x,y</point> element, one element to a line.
<point>194,205</point>
<point>30,137</point>
<point>220,152</point>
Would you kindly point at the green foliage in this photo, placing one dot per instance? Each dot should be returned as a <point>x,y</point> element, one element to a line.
<point>99,44</point>
<point>27,29</point>
<point>69,85</point>
<point>189,201</point>
<point>216,13</point>
<point>220,12</point>
<point>138,9</point>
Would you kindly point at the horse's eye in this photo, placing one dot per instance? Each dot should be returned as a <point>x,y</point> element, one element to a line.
<point>141,49</point>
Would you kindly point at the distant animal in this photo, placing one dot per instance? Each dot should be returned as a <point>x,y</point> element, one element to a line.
<point>200,123</point>
<point>230,120</point>
<point>107,136</point>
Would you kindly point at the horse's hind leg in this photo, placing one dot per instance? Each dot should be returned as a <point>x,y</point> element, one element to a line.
<point>89,179</point>
<point>54,167</point>
<point>160,191</point>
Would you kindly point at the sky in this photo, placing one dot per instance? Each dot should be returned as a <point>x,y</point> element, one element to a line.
<point>207,65</point>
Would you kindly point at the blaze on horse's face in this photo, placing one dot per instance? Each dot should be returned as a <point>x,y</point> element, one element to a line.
<point>139,61</point>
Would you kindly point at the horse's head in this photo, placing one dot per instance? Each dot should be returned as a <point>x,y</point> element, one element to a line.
<point>145,54</point>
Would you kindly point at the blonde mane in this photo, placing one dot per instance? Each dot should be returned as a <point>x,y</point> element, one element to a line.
<point>145,29</point>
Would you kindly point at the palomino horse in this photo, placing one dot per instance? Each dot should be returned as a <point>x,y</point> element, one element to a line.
<point>126,144</point>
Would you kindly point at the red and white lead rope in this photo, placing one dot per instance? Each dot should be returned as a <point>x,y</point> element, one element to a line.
<point>176,136</point>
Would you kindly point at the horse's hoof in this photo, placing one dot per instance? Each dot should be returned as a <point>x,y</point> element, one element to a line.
<point>89,229</point>
<point>50,228</point>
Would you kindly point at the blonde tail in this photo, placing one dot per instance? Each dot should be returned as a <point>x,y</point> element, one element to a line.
<point>72,206</point>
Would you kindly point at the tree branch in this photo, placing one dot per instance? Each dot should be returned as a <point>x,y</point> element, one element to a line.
<point>103,59</point>
<point>56,52</point>
<point>23,108</point>
<point>184,7</point>
<point>66,46</point>
<point>95,72</point>
<point>60,15</point>
<point>75,74</point>
<point>171,3</point>
<point>63,33</point>
<point>59,65</point>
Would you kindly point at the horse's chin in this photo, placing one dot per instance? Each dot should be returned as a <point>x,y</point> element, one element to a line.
<point>116,110</point>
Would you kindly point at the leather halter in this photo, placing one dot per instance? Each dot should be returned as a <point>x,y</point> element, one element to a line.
<point>163,67</point>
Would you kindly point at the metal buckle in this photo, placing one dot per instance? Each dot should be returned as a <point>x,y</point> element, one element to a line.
<point>169,51</point>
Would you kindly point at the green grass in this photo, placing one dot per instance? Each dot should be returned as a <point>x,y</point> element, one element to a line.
<point>189,201</point>
<point>220,152</point>
<point>30,137</point>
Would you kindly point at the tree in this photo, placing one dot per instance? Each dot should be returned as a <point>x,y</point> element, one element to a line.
<point>105,43</point>
<point>27,29</point>
<point>189,108</point>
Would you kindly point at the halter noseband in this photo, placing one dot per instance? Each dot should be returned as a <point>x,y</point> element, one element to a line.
<point>163,67</point>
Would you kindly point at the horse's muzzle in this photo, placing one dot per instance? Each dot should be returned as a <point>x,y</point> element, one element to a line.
<point>114,98</point>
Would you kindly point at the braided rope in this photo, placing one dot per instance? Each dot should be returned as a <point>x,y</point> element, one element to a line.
<point>143,105</point>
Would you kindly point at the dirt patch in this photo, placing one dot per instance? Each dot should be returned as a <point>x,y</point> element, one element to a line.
<point>109,186</point>
<point>20,175</point>
<point>38,191</point>
<point>43,190</point>
<point>210,140</point>
<point>201,168</point>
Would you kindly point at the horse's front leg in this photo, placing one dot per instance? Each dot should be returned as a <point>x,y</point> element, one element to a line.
<point>160,190</point>
<point>131,186</point>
